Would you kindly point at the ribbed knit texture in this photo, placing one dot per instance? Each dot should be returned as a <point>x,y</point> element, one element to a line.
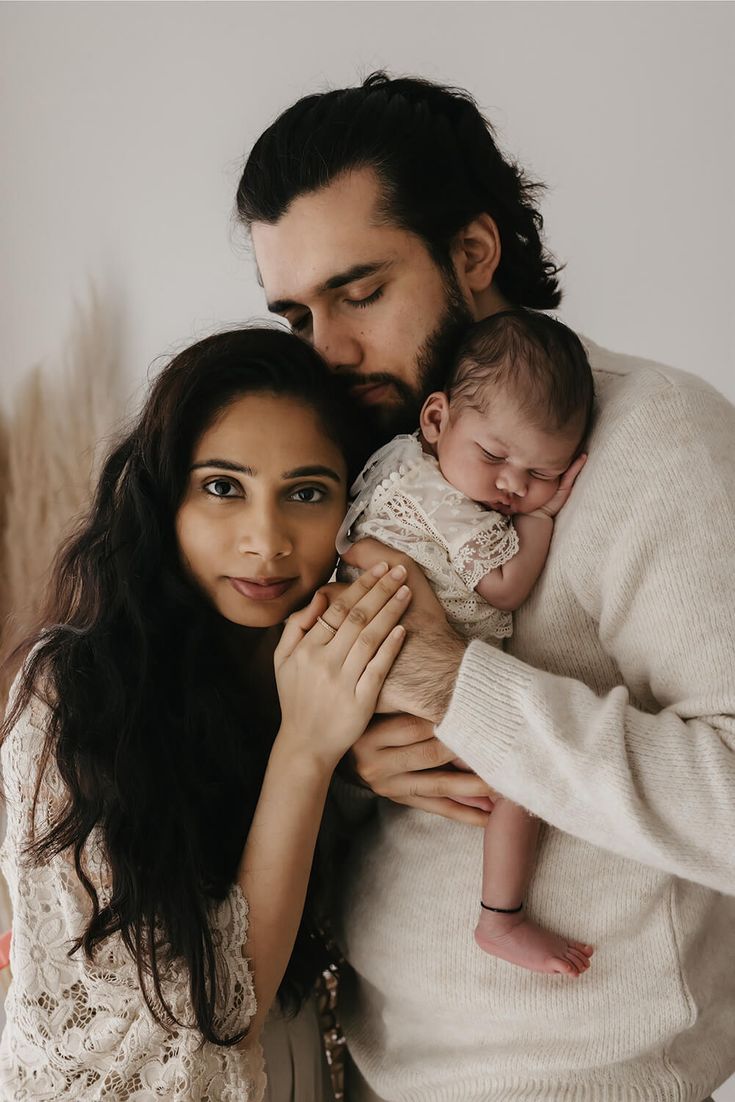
<point>612,719</point>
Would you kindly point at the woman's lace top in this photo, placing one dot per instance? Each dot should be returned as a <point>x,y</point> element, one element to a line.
<point>79,1029</point>
<point>402,499</point>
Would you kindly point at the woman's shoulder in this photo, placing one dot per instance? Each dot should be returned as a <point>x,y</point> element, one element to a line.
<point>26,757</point>
<point>24,741</point>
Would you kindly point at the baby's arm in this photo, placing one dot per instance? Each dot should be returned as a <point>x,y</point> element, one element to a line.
<point>507,586</point>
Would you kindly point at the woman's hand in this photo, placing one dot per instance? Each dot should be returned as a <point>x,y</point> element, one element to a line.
<point>422,680</point>
<point>332,660</point>
<point>399,755</point>
<point>330,666</point>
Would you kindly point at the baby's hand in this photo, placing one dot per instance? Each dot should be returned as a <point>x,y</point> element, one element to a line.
<point>551,508</point>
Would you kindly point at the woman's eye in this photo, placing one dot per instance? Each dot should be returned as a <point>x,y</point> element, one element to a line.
<point>309,495</point>
<point>302,324</point>
<point>221,487</point>
<point>361,303</point>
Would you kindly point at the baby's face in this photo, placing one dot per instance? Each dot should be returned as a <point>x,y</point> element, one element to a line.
<point>498,458</point>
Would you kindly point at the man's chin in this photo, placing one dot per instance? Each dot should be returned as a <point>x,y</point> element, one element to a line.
<point>391,418</point>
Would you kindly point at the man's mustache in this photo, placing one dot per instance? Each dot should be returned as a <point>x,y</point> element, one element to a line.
<point>375,379</point>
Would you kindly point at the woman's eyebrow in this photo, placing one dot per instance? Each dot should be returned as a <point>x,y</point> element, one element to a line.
<point>310,472</point>
<point>225,464</point>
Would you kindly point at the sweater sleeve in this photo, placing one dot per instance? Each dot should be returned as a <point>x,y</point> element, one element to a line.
<point>645,767</point>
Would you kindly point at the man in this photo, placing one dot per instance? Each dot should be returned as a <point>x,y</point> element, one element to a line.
<point>383,219</point>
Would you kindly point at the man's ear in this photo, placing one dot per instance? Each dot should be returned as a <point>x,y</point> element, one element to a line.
<point>434,416</point>
<point>476,254</point>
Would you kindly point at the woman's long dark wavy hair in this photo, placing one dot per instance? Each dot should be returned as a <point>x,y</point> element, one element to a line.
<point>160,748</point>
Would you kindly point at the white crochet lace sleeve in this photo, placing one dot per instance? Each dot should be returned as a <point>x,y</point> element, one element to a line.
<point>402,499</point>
<point>80,1030</point>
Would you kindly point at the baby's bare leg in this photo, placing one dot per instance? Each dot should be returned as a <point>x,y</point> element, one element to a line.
<point>504,930</point>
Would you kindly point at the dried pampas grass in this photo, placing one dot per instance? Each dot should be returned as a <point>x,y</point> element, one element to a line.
<point>50,446</point>
<point>62,415</point>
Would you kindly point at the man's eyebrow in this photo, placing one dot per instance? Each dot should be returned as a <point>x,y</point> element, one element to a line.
<point>357,271</point>
<point>341,279</point>
<point>309,471</point>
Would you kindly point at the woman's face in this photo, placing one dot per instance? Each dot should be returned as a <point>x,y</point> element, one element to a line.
<point>267,493</point>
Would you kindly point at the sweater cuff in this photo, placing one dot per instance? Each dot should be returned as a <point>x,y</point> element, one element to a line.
<point>484,714</point>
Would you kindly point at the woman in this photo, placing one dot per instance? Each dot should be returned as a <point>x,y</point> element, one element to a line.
<point>164,789</point>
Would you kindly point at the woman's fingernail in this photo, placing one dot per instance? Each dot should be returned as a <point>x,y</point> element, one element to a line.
<point>398,572</point>
<point>379,569</point>
<point>402,593</point>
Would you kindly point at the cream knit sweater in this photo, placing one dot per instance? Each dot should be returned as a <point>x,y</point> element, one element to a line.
<point>612,719</point>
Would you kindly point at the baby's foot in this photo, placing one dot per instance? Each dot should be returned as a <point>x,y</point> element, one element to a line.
<point>515,938</point>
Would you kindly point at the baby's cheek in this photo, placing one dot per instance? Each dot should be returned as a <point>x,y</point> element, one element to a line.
<point>546,491</point>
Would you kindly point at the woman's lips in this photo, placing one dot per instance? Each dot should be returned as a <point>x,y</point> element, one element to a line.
<point>261,589</point>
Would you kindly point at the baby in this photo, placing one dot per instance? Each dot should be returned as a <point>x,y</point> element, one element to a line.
<point>472,497</point>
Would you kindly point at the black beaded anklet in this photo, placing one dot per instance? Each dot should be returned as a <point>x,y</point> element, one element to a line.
<point>502,910</point>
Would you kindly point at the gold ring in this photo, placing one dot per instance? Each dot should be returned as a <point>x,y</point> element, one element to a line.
<point>321,620</point>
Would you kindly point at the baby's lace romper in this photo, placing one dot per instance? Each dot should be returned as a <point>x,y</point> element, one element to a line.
<point>402,499</point>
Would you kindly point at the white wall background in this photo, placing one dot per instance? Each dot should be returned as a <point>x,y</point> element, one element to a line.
<point>123,127</point>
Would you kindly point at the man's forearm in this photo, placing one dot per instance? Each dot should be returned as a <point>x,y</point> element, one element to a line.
<point>653,788</point>
<point>423,676</point>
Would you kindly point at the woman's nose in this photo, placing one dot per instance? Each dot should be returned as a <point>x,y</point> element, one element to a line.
<point>265,537</point>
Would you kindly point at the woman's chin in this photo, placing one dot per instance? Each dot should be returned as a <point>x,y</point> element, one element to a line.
<point>260,614</point>
<point>261,618</point>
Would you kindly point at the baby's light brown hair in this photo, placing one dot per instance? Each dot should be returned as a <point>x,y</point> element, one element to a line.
<point>536,359</point>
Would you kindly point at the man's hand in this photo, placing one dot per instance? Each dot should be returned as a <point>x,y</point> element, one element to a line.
<point>400,757</point>
<point>422,678</point>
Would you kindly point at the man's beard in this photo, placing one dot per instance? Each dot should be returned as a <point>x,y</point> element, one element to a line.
<point>433,362</point>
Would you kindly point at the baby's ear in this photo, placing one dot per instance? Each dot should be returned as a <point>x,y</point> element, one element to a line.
<point>434,416</point>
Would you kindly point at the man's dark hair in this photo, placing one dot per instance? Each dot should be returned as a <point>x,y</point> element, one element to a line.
<point>538,360</point>
<point>438,164</point>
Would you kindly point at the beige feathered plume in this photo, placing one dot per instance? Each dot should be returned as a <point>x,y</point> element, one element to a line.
<point>61,418</point>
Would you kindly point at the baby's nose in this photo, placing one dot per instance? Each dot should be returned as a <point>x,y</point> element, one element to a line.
<point>511,482</point>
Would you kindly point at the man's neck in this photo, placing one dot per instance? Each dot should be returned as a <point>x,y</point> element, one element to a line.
<point>490,301</point>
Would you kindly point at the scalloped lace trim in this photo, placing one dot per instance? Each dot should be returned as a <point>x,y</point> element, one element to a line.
<point>405,502</point>
<point>78,1029</point>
